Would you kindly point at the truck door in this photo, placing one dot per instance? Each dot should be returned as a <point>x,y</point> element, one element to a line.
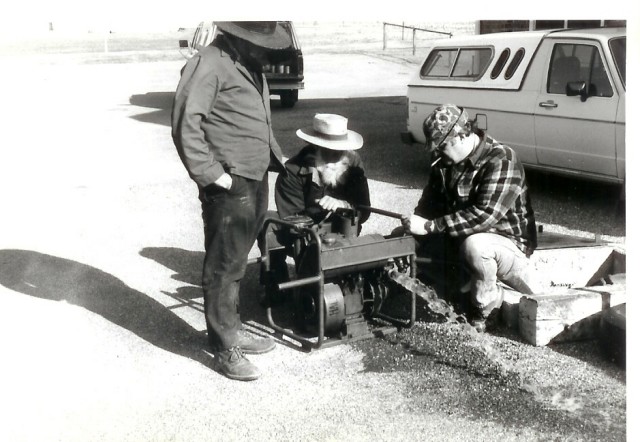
<point>577,132</point>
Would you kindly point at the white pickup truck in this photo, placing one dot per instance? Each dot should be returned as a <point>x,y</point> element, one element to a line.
<point>557,97</point>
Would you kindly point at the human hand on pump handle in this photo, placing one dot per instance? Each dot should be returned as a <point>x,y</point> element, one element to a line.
<point>415,224</point>
<point>332,204</point>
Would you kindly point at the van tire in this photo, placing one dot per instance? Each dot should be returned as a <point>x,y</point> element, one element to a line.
<point>288,98</point>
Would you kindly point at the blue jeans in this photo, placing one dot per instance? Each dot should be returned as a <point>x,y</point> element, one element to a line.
<point>231,219</point>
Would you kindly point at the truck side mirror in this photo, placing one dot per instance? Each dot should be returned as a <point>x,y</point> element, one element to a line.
<point>183,44</point>
<point>481,122</point>
<point>577,88</point>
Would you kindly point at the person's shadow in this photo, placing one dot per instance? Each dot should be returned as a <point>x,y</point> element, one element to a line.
<point>187,266</point>
<point>59,279</point>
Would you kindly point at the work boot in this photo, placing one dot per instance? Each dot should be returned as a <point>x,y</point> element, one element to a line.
<point>253,344</point>
<point>487,319</point>
<point>233,364</point>
<point>483,323</point>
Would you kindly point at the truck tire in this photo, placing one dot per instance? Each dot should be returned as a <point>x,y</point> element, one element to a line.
<point>288,98</point>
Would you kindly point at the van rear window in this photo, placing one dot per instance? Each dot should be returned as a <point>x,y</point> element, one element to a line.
<point>517,58</point>
<point>502,60</point>
<point>458,63</point>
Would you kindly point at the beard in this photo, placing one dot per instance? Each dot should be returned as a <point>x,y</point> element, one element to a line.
<point>333,174</point>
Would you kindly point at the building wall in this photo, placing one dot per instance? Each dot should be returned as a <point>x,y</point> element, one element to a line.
<point>490,26</point>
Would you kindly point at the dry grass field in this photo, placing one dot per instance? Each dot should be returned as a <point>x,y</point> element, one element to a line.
<point>315,37</point>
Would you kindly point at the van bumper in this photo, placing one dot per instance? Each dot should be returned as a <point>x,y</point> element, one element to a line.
<point>284,84</point>
<point>407,138</point>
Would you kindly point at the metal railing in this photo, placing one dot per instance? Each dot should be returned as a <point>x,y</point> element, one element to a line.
<point>413,34</point>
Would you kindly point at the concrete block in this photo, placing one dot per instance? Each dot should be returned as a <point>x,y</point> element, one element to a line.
<point>565,268</point>
<point>620,278</point>
<point>509,311</point>
<point>572,315</point>
<point>612,294</point>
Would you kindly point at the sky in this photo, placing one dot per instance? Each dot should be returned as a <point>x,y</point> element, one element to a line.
<point>30,16</point>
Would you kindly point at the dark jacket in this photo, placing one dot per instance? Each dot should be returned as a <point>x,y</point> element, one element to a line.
<point>221,119</point>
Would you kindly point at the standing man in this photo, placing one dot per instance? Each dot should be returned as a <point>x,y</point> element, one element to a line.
<point>221,126</point>
<point>474,220</point>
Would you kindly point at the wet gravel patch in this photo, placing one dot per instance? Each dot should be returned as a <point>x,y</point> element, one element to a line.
<point>566,389</point>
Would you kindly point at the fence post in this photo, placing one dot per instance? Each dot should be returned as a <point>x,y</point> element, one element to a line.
<point>384,36</point>
<point>413,41</point>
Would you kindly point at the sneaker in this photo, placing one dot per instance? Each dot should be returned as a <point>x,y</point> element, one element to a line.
<point>253,344</point>
<point>234,364</point>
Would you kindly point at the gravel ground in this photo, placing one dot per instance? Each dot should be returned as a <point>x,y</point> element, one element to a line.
<point>564,392</point>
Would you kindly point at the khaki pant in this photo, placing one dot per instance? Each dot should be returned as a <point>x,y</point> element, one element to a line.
<point>490,258</point>
<point>475,264</point>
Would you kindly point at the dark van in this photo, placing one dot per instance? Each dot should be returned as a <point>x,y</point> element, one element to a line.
<point>285,71</point>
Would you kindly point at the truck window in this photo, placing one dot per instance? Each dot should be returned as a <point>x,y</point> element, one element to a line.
<point>517,58</point>
<point>502,60</point>
<point>439,63</point>
<point>619,50</point>
<point>463,63</point>
<point>472,63</point>
<point>578,62</point>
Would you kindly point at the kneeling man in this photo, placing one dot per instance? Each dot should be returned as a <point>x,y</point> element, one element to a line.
<point>474,222</point>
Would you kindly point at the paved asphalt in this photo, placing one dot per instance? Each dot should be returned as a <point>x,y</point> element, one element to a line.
<point>100,251</point>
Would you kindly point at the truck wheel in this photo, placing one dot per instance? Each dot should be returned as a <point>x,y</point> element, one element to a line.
<point>288,98</point>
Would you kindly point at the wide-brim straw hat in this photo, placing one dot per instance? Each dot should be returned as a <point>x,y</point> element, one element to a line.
<point>330,131</point>
<point>267,34</point>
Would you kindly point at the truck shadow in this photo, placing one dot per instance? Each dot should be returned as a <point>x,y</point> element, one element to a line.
<point>58,279</point>
<point>567,199</point>
<point>556,200</point>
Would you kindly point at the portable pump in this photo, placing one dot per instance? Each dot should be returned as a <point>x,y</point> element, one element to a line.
<point>341,279</point>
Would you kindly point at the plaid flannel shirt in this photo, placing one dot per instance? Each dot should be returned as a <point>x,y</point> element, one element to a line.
<point>486,192</point>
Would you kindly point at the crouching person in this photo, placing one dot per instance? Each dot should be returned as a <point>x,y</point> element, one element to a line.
<point>327,175</point>
<point>474,224</point>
